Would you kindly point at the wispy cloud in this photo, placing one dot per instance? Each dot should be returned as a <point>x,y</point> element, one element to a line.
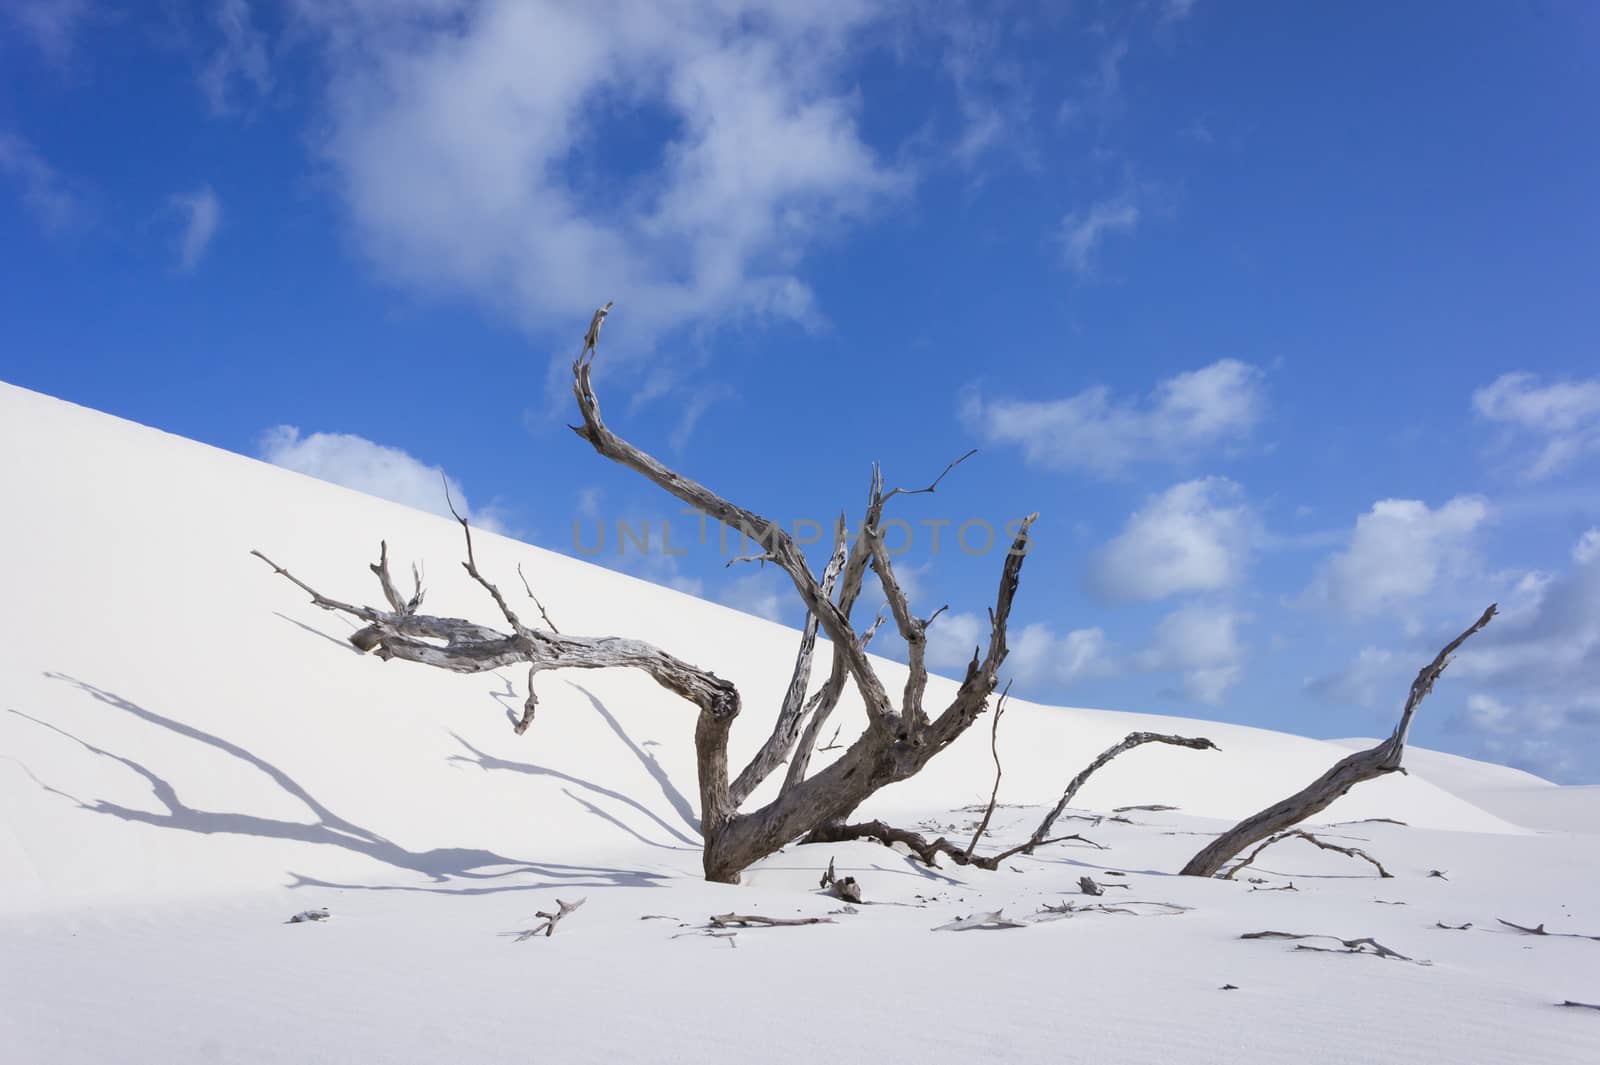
<point>1100,95</point>
<point>376,469</point>
<point>1083,232</point>
<point>1194,537</point>
<point>1091,432</point>
<point>202,213</point>
<point>759,592</point>
<point>1562,418</point>
<point>44,192</point>
<point>237,59</point>
<point>1176,10</point>
<point>993,93</point>
<point>52,25</point>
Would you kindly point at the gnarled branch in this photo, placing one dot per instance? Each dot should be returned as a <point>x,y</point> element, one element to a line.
<point>1295,833</point>
<point>1344,775</point>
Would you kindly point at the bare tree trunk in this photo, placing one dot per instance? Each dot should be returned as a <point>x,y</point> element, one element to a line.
<point>1345,774</point>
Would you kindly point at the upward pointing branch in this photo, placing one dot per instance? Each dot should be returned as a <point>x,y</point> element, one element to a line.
<point>1344,775</point>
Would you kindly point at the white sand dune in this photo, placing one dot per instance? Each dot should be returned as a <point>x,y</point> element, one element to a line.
<point>190,752</point>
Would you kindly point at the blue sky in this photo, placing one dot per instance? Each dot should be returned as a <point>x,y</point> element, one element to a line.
<point>1283,316</point>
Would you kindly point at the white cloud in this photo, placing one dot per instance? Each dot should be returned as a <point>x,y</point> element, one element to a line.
<point>1082,232</point>
<point>358,463</point>
<point>1563,416</point>
<point>51,24</point>
<point>1559,740</point>
<point>1194,537</point>
<point>44,193</point>
<point>1201,644</point>
<point>1528,678</point>
<point>1587,549</point>
<point>1038,655</point>
<point>1375,675</point>
<point>1214,405</point>
<point>239,58</point>
<point>992,94</point>
<point>1398,552</point>
<point>477,147</point>
<point>759,592</point>
<point>952,638</point>
<point>1551,643</point>
<point>202,212</point>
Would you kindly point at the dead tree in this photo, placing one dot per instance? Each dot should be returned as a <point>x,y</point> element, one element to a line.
<point>1346,773</point>
<point>900,737</point>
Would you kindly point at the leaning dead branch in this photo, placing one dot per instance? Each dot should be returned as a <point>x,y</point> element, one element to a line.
<point>548,928</point>
<point>1364,945</point>
<point>1345,774</point>
<point>756,920</point>
<point>1579,1005</point>
<point>1295,833</point>
<point>1128,743</point>
<point>1538,930</point>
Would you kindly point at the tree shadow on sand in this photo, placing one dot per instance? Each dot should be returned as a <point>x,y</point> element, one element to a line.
<point>446,866</point>
<point>486,761</point>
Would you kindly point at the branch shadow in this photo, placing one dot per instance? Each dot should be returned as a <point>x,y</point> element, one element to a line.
<point>486,761</point>
<point>679,801</point>
<point>440,865</point>
<point>343,645</point>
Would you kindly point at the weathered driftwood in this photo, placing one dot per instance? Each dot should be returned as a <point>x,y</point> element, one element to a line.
<point>843,887</point>
<point>548,928</point>
<point>1364,945</point>
<point>1345,774</point>
<point>1295,833</point>
<point>756,920</point>
<point>1068,908</point>
<point>991,920</point>
<point>1538,930</point>
<point>901,737</point>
